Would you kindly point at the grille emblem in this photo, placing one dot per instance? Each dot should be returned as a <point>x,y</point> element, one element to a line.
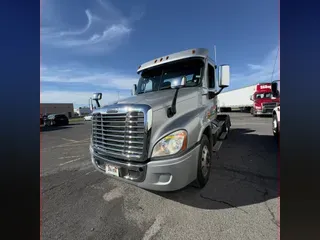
<point>115,110</point>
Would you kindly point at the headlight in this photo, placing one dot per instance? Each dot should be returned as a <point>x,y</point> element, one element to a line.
<point>171,144</point>
<point>258,107</point>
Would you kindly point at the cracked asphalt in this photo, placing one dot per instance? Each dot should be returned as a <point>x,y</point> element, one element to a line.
<point>241,200</point>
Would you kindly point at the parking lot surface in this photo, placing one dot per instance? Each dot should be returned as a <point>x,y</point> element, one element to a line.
<point>240,201</point>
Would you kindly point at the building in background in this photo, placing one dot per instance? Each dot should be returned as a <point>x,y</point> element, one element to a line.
<point>57,108</point>
<point>82,111</point>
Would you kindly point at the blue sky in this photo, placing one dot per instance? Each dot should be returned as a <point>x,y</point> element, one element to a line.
<point>96,45</point>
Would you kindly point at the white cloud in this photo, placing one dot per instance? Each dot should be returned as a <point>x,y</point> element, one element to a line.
<point>78,97</point>
<point>105,29</point>
<point>255,67</point>
<point>265,71</point>
<point>108,35</point>
<point>79,32</point>
<point>108,79</point>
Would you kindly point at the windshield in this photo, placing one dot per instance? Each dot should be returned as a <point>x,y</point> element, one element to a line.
<point>161,78</point>
<point>263,95</point>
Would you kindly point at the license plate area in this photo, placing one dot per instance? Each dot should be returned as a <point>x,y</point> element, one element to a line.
<point>112,170</point>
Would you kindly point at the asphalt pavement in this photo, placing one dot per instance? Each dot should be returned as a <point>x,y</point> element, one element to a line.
<point>240,201</point>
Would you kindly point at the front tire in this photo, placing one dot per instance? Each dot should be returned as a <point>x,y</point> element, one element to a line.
<point>275,127</point>
<point>204,162</point>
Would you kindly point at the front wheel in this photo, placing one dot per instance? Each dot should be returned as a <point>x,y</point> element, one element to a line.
<point>275,127</point>
<point>204,162</point>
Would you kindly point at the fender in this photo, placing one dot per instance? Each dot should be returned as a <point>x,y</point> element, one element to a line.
<point>189,121</point>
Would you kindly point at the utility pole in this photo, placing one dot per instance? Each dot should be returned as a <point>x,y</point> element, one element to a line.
<point>274,65</point>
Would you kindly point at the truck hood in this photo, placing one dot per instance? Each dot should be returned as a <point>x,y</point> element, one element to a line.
<point>160,99</point>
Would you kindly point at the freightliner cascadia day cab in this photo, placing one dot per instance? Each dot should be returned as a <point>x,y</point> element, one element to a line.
<point>163,137</point>
<point>276,110</point>
<point>263,100</point>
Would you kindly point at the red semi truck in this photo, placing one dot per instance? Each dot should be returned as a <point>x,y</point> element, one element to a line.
<point>263,100</point>
<point>255,98</point>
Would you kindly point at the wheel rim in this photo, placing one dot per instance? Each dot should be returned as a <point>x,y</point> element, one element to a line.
<point>275,124</point>
<point>205,161</point>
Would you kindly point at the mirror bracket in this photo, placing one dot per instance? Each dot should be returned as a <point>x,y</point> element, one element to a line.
<point>97,97</point>
<point>134,90</point>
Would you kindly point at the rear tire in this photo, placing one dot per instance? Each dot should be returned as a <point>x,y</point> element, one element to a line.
<point>204,162</point>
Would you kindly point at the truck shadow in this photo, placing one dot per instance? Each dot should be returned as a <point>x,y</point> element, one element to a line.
<point>244,172</point>
<point>55,128</point>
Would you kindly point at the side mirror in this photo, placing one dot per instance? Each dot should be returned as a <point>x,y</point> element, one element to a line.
<point>134,89</point>
<point>179,83</point>
<point>251,98</point>
<point>275,86</point>
<point>97,96</point>
<point>224,76</point>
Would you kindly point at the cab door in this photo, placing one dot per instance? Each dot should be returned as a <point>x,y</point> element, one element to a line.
<point>209,100</point>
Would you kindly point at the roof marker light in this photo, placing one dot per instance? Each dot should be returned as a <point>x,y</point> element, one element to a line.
<point>161,59</point>
<point>193,51</point>
<point>155,61</point>
<point>167,57</point>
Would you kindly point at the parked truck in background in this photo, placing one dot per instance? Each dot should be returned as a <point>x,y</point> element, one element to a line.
<point>164,136</point>
<point>236,99</point>
<point>263,100</point>
<point>255,98</point>
<point>276,110</point>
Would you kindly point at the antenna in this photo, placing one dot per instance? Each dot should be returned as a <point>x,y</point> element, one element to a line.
<point>215,54</point>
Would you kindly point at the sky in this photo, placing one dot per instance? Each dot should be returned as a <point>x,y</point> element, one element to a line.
<point>92,46</point>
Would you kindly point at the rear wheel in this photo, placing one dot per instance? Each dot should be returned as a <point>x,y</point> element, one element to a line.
<point>275,127</point>
<point>204,162</point>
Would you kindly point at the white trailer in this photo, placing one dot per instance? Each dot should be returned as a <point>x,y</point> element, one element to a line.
<point>238,98</point>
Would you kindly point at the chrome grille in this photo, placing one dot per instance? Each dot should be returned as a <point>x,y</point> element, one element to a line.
<point>119,135</point>
<point>271,105</point>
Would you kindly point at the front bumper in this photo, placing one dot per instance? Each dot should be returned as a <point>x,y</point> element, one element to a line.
<point>264,112</point>
<point>160,175</point>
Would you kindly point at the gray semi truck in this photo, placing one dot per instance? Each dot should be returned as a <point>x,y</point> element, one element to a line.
<point>163,137</point>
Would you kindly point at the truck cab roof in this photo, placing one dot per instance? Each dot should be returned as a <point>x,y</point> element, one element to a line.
<point>194,52</point>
